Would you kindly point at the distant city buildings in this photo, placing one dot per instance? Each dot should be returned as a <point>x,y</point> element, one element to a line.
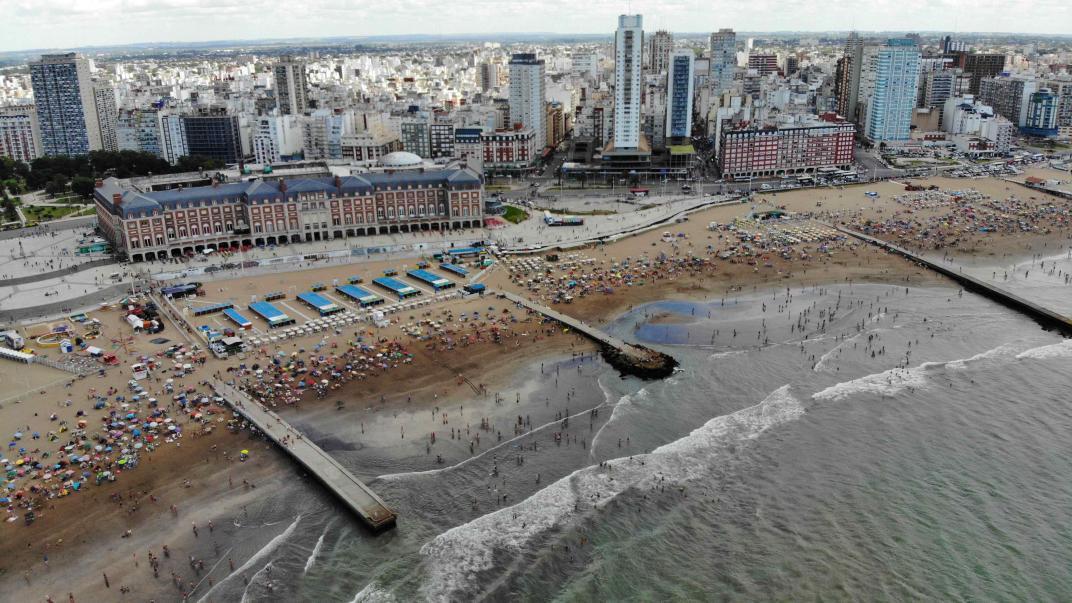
<point>291,86</point>
<point>277,138</point>
<point>660,45</point>
<point>139,130</point>
<point>763,63</point>
<point>20,138</point>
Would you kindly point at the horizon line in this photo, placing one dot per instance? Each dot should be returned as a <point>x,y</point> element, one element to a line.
<point>462,36</point>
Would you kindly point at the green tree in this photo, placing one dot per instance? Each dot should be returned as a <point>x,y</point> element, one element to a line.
<point>83,187</point>
<point>57,185</point>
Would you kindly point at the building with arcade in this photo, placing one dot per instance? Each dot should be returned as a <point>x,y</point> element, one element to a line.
<point>158,224</point>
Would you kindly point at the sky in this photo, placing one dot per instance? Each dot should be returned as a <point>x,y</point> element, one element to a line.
<point>73,23</point>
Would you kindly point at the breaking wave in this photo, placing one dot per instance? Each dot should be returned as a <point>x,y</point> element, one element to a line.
<point>457,557</point>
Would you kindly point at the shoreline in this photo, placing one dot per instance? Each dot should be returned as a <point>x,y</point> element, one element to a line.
<point>664,269</point>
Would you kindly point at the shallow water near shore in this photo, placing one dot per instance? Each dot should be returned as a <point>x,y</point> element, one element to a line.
<point>849,442</point>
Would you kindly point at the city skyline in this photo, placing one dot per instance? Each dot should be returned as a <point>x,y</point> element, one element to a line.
<point>44,25</point>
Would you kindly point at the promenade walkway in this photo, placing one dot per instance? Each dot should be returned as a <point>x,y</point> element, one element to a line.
<point>1044,316</point>
<point>352,492</point>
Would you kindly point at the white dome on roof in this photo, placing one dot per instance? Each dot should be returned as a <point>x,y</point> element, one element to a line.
<point>400,159</point>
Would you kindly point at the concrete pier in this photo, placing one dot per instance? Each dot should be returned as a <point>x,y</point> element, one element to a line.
<point>627,358</point>
<point>1045,317</point>
<point>352,492</point>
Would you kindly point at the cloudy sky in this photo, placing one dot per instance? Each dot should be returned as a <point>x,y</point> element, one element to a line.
<point>71,23</point>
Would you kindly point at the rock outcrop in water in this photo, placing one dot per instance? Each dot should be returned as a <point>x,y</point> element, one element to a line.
<point>639,361</point>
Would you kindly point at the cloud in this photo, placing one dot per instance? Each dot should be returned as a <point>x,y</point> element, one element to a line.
<point>71,23</point>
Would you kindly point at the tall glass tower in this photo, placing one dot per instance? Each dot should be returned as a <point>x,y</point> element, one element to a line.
<point>893,99</point>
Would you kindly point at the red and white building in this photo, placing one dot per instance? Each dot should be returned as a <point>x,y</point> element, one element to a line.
<point>510,149</point>
<point>756,152</point>
<point>160,224</point>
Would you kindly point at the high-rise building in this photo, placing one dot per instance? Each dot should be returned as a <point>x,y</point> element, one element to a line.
<point>104,101</point>
<point>528,95</point>
<point>139,130</point>
<point>213,133</point>
<point>893,98</point>
<point>850,70</point>
<point>1063,89</point>
<point>291,86</point>
<point>1041,114</point>
<point>949,45</point>
<point>66,108</point>
<point>679,95</point>
<point>276,138</point>
<point>441,139</point>
<point>1009,96</point>
<point>792,64</point>
<point>938,87</point>
<point>980,66</point>
<point>487,76</point>
<point>763,63</point>
<point>586,64</point>
<point>417,137</point>
<point>628,55</point>
<point>322,133</point>
<point>723,59</point>
<point>173,137</point>
<point>659,47</point>
<point>19,135</point>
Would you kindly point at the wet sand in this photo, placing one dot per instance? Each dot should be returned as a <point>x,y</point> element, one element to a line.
<point>83,533</point>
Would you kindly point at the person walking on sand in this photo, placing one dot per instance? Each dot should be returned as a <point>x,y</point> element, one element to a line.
<point>106,583</point>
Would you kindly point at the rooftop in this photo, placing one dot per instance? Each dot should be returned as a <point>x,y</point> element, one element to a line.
<point>133,201</point>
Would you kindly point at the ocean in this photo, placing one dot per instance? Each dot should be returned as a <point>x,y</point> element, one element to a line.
<point>865,442</point>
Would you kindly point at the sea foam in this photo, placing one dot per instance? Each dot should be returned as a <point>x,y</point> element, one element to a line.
<point>457,557</point>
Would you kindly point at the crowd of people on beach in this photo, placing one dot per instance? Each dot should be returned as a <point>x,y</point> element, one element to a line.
<point>939,219</point>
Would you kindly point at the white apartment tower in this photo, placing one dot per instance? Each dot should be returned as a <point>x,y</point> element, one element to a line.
<point>291,86</point>
<point>723,59</point>
<point>528,94</point>
<point>628,56</point>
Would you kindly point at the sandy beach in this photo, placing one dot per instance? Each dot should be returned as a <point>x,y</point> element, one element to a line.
<point>462,352</point>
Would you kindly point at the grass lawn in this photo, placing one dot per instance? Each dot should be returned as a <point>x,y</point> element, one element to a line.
<point>44,213</point>
<point>515,215</point>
